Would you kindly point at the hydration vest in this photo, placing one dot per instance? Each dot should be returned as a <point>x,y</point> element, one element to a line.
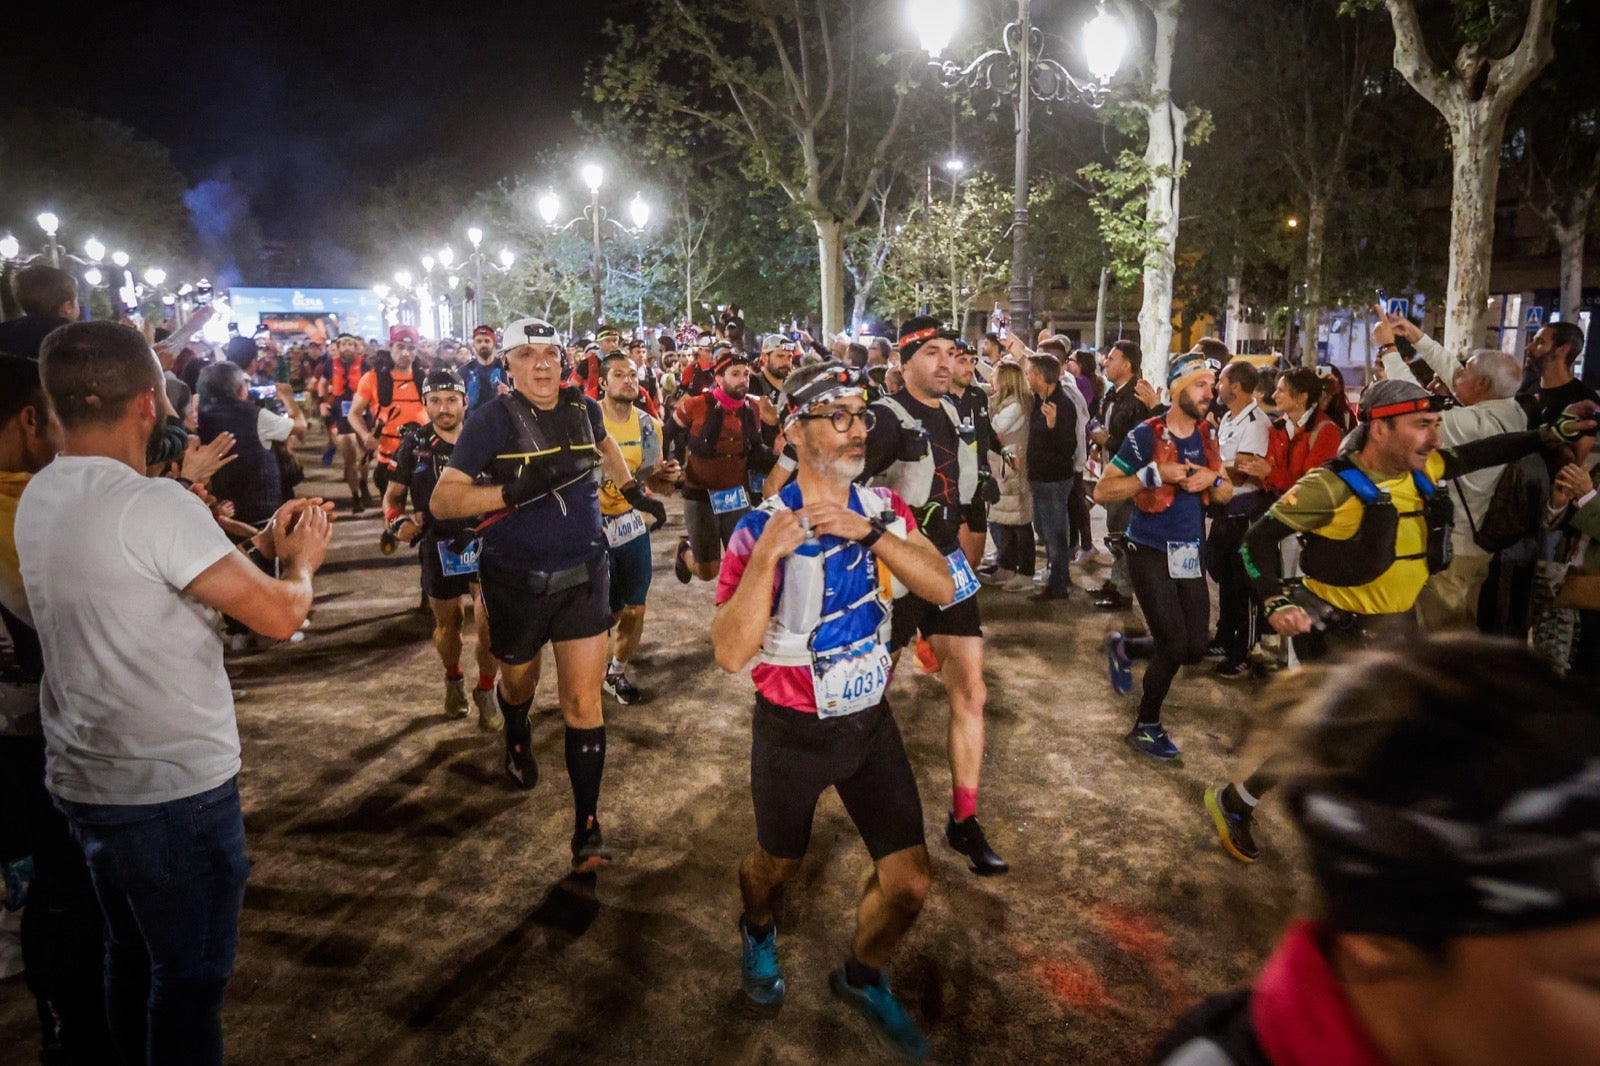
<point>1158,499</point>
<point>913,481</point>
<point>1368,555</point>
<point>841,571</point>
<point>560,440</point>
<point>252,480</point>
<point>386,385</point>
<point>342,377</point>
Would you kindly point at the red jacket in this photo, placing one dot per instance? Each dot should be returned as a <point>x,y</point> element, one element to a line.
<point>1314,444</point>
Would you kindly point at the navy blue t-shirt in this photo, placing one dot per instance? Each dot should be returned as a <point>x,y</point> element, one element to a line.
<point>553,532</point>
<point>1184,521</point>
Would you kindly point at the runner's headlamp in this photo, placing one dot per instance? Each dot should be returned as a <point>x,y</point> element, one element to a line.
<point>1403,407</point>
<point>442,381</point>
<point>812,386</point>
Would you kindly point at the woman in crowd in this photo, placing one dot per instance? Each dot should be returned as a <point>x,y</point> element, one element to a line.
<point>1302,437</point>
<point>1011,519</point>
<point>1334,403</point>
<point>1446,793</point>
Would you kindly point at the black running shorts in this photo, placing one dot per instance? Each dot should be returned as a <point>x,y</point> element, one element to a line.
<point>522,622</point>
<point>708,531</point>
<point>795,757</point>
<point>975,516</point>
<point>913,615</point>
<point>435,584</point>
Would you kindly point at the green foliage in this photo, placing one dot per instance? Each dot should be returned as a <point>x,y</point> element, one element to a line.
<point>101,178</point>
<point>937,237</point>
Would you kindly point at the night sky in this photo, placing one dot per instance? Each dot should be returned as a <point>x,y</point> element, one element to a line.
<point>297,106</point>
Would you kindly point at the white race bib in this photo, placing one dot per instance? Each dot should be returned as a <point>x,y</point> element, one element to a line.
<point>622,528</point>
<point>725,500</point>
<point>1183,559</point>
<point>966,580</point>
<point>851,679</point>
<point>459,564</point>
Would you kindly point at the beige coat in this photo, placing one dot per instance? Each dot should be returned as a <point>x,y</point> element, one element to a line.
<point>1010,426</point>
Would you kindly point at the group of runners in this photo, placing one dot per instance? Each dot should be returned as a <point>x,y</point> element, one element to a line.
<point>843,523</point>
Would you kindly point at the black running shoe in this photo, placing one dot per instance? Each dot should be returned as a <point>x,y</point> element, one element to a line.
<point>621,689</point>
<point>967,838</point>
<point>680,569</point>
<point>520,764</point>
<point>1233,828</point>
<point>589,849</point>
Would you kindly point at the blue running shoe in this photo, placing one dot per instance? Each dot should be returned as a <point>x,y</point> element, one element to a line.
<point>894,1028</point>
<point>762,979</point>
<point>327,456</point>
<point>1120,665</point>
<point>1152,740</point>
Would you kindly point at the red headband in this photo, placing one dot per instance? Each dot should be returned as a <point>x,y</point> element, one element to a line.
<point>919,335</point>
<point>1401,407</point>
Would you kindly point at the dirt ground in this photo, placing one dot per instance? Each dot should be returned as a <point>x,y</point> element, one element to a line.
<point>407,905</point>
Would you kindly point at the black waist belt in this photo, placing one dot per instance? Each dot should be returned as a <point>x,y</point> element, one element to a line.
<point>930,513</point>
<point>539,582</point>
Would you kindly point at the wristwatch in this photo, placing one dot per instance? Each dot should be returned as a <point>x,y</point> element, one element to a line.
<point>879,528</point>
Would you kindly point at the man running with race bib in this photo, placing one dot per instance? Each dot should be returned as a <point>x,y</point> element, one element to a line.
<point>627,528</point>
<point>448,549</point>
<point>918,448</point>
<point>543,564</point>
<point>806,591</point>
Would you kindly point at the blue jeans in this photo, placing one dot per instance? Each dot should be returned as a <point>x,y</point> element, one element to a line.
<point>1051,502</point>
<point>170,879</point>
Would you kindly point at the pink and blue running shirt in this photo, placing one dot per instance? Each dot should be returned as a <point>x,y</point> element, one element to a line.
<point>791,686</point>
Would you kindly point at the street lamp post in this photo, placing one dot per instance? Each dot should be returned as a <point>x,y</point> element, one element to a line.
<point>596,215</point>
<point>475,236</point>
<point>1018,69</point>
<point>50,223</point>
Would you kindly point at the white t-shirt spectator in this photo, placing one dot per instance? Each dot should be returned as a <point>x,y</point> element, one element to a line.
<point>136,706</point>
<point>1247,433</point>
<point>271,426</point>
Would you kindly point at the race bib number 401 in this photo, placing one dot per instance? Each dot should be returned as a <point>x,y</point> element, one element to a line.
<point>1183,559</point>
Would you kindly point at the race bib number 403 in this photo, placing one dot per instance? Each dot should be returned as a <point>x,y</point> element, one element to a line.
<point>851,679</point>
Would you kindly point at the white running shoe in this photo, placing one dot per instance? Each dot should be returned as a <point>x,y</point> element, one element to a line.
<point>1018,583</point>
<point>490,720</point>
<point>997,577</point>
<point>455,696</point>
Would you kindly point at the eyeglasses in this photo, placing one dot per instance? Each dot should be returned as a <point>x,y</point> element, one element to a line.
<point>842,418</point>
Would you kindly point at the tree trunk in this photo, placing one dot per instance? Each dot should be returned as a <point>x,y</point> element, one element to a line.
<point>830,258</point>
<point>1311,320</point>
<point>1232,328</point>
<point>1572,239</point>
<point>1100,310</point>
<point>1476,132</point>
<point>1163,157</point>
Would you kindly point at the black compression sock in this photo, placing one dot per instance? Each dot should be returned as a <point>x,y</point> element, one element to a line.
<point>586,762</point>
<point>518,727</point>
<point>858,974</point>
<point>758,932</point>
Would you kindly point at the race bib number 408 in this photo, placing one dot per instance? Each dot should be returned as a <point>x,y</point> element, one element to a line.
<point>625,527</point>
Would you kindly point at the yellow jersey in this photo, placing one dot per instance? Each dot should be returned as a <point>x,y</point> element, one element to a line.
<point>629,435</point>
<point>1322,505</point>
